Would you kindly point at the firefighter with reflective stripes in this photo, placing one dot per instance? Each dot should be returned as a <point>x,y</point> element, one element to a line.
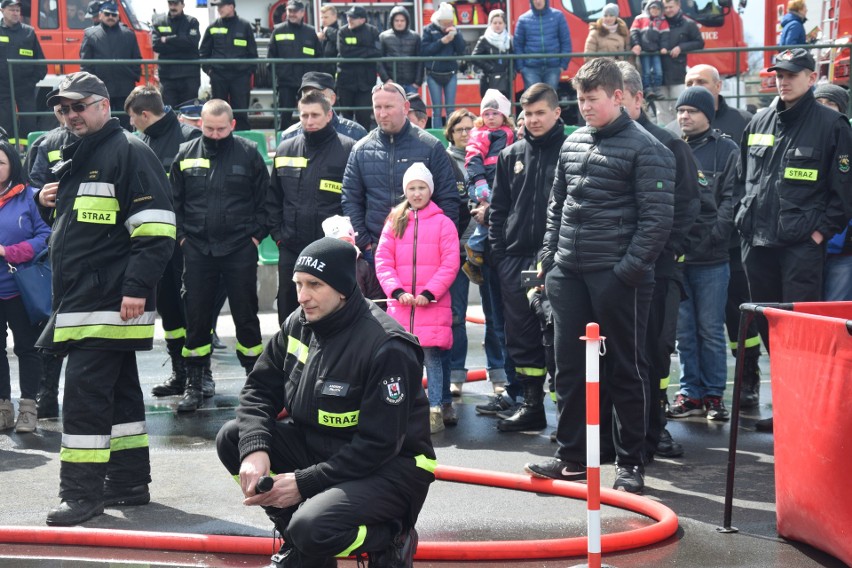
<point>293,39</point>
<point>113,232</point>
<point>305,189</point>
<point>219,182</point>
<point>355,462</point>
<point>18,41</point>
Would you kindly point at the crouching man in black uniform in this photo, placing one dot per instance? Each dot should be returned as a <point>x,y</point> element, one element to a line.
<point>355,463</point>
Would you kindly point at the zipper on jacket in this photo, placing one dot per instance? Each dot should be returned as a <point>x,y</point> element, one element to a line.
<point>414,271</point>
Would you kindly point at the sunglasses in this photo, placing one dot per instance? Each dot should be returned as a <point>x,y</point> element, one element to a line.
<point>390,87</point>
<point>76,107</point>
<point>109,15</point>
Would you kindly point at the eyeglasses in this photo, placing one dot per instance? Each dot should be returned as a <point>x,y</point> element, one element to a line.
<point>688,111</point>
<point>462,129</point>
<point>391,88</point>
<point>76,107</point>
<point>109,15</point>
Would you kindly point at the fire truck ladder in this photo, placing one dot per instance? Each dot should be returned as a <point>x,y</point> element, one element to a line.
<point>830,13</point>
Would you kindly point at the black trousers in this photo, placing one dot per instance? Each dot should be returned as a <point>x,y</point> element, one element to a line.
<point>353,97</point>
<point>522,327</point>
<point>287,301</point>
<point>170,304</point>
<point>25,98</point>
<point>622,312</point>
<point>789,274</point>
<point>180,90</point>
<point>13,315</point>
<point>104,438</point>
<point>659,346</point>
<point>329,523</point>
<point>200,281</point>
<point>236,91</point>
<point>287,98</point>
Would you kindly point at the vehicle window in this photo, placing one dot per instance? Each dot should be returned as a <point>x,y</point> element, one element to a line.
<point>75,15</point>
<point>586,10</point>
<point>130,9</point>
<point>48,14</point>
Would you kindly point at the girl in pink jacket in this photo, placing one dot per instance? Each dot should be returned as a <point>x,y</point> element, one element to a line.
<point>417,260</point>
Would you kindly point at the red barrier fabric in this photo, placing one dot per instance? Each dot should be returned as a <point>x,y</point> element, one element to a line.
<point>811,370</point>
<point>841,310</point>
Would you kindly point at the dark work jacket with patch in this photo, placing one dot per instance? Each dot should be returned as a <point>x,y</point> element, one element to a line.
<point>181,37</point>
<point>219,191</point>
<point>351,382</point>
<point>306,186</point>
<point>166,135</point>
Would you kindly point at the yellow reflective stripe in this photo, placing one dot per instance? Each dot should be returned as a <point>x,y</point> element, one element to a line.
<point>359,540</point>
<point>553,396</point>
<point>240,42</point>
<point>291,162</point>
<point>751,342</point>
<point>338,420</point>
<point>197,352</point>
<point>218,30</point>
<point>19,141</point>
<point>164,29</point>
<point>681,258</point>
<point>194,163</point>
<point>129,442</point>
<point>250,351</point>
<point>761,139</point>
<point>154,230</point>
<point>72,455</point>
<point>178,333</point>
<point>332,186</point>
<point>664,382</point>
<point>96,203</point>
<point>423,462</point>
<point>98,217</point>
<point>283,37</point>
<point>297,349</point>
<point>4,39</point>
<point>531,371</point>
<point>25,52</point>
<point>351,40</point>
<point>806,174</point>
<point>103,332</point>
<point>308,51</point>
<point>54,155</point>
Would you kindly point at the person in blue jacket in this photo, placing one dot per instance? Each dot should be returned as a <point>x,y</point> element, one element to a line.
<point>793,24</point>
<point>442,39</point>
<point>542,30</point>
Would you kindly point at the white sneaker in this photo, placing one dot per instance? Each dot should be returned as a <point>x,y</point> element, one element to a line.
<point>436,420</point>
<point>7,414</point>
<point>456,388</point>
<point>27,416</point>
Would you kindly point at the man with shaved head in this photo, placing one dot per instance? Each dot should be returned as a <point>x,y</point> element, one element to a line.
<point>731,121</point>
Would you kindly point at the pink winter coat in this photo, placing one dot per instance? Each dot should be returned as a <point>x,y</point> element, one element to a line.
<point>430,238</point>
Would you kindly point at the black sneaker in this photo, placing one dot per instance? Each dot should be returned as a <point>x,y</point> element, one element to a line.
<point>716,409</point>
<point>667,447</point>
<point>494,405</point>
<point>557,469</point>
<point>509,412</point>
<point>629,478</point>
<point>684,406</point>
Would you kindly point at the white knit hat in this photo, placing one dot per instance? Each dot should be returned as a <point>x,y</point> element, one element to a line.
<point>496,100</point>
<point>444,12</point>
<point>338,227</point>
<point>418,171</point>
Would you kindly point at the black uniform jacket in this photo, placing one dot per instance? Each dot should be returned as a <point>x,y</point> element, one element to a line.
<point>356,45</point>
<point>166,135</point>
<point>181,37</point>
<point>229,38</point>
<point>293,41</point>
<point>116,42</point>
<point>20,42</point>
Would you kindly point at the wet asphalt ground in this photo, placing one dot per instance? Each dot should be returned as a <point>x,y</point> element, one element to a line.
<point>192,493</point>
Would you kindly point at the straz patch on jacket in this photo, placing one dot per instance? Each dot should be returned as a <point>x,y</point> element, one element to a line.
<point>392,390</point>
<point>702,179</point>
<point>843,163</point>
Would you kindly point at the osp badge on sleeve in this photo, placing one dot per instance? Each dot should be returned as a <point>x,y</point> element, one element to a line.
<point>393,392</point>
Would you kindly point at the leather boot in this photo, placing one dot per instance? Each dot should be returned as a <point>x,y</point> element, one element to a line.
<point>530,415</point>
<point>74,511</point>
<point>175,384</point>
<point>400,553</point>
<point>47,398</point>
<point>192,397</point>
<point>208,387</point>
<point>750,393</point>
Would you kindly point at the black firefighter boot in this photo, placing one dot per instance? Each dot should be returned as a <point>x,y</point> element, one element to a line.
<point>530,415</point>
<point>192,397</point>
<point>750,393</point>
<point>175,384</point>
<point>208,386</point>
<point>47,399</point>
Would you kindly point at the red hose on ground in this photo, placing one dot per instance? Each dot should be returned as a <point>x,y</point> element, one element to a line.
<point>472,375</point>
<point>665,527</point>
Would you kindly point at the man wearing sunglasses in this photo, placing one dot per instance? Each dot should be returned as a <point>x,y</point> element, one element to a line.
<point>112,40</point>
<point>113,232</point>
<point>175,35</point>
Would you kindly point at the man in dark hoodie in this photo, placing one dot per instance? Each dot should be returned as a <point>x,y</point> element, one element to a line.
<point>683,37</point>
<point>401,41</point>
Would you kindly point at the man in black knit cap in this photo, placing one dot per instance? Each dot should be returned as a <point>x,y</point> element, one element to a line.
<point>355,462</point>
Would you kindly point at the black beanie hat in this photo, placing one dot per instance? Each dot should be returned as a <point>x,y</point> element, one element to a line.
<point>332,261</point>
<point>836,94</point>
<point>700,98</point>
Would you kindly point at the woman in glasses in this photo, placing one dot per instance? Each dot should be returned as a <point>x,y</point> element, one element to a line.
<point>442,39</point>
<point>23,235</point>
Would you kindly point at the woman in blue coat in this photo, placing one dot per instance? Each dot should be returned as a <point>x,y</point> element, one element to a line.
<point>442,39</point>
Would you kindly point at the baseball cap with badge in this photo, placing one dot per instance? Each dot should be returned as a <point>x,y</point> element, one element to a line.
<point>109,7</point>
<point>356,12</point>
<point>416,102</point>
<point>6,3</point>
<point>794,60</point>
<point>297,5</point>
<point>316,80</point>
<point>78,86</point>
